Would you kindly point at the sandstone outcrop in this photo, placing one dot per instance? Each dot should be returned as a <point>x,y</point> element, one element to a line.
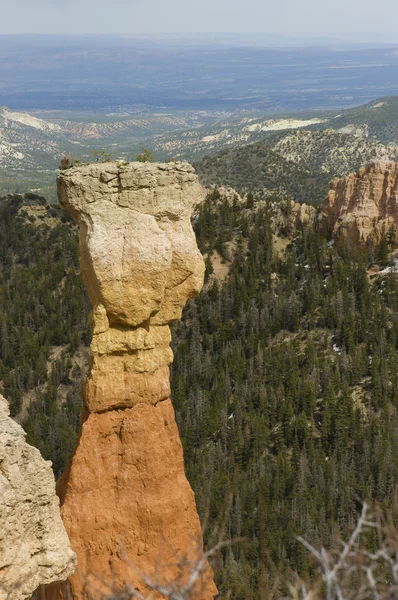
<point>126,503</point>
<point>34,547</point>
<point>363,206</point>
<point>228,194</point>
<point>288,216</point>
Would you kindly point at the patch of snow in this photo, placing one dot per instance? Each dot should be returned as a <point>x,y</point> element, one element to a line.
<point>392,269</point>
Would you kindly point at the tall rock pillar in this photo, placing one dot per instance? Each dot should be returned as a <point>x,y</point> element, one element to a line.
<point>126,503</point>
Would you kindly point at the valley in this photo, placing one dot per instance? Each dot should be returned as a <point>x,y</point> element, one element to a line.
<point>307,147</point>
<point>284,383</point>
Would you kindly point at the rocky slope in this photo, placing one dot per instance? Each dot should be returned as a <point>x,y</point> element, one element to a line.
<point>26,141</point>
<point>371,123</point>
<point>376,120</point>
<point>34,547</point>
<point>296,165</point>
<point>330,151</point>
<point>127,505</point>
<point>364,205</point>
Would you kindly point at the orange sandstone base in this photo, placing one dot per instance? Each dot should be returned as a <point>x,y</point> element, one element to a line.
<point>127,505</point>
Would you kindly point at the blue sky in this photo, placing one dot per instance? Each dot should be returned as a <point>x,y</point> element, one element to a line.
<point>315,18</point>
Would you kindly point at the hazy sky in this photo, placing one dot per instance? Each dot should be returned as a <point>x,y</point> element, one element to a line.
<point>370,18</point>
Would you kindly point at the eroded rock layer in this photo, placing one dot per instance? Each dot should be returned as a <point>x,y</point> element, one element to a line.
<point>34,547</point>
<point>364,205</point>
<point>127,505</point>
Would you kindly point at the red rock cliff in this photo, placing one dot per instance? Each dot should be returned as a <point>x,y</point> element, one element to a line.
<point>363,206</point>
<point>126,503</point>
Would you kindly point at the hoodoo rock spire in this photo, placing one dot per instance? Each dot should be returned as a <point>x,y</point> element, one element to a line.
<point>126,503</point>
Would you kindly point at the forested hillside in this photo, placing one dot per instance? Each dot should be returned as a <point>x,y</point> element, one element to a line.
<point>284,380</point>
<point>43,323</point>
<point>377,119</point>
<point>296,165</point>
<point>290,372</point>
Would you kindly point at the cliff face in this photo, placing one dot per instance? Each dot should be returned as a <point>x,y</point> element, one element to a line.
<point>34,547</point>
<point>127,505</point>
<point>363,206</point>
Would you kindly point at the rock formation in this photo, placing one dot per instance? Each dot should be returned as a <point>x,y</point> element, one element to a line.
<point>34,547</point>
<point>126,503</point>
<point>288,216</point>
<point>363,206</point>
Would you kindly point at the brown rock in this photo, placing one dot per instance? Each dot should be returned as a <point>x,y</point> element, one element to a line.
<point>127,501</point>
<point>128,365</point>
<point>127,505</point>
<point>363,206</point>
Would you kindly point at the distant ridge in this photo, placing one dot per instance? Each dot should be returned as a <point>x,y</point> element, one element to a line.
<point>309,148</point>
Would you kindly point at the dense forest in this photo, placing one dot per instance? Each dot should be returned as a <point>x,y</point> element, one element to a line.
<point>284,379</point>
<point>260,167</point>
<point>43,322</point>
<point>285,383</point>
